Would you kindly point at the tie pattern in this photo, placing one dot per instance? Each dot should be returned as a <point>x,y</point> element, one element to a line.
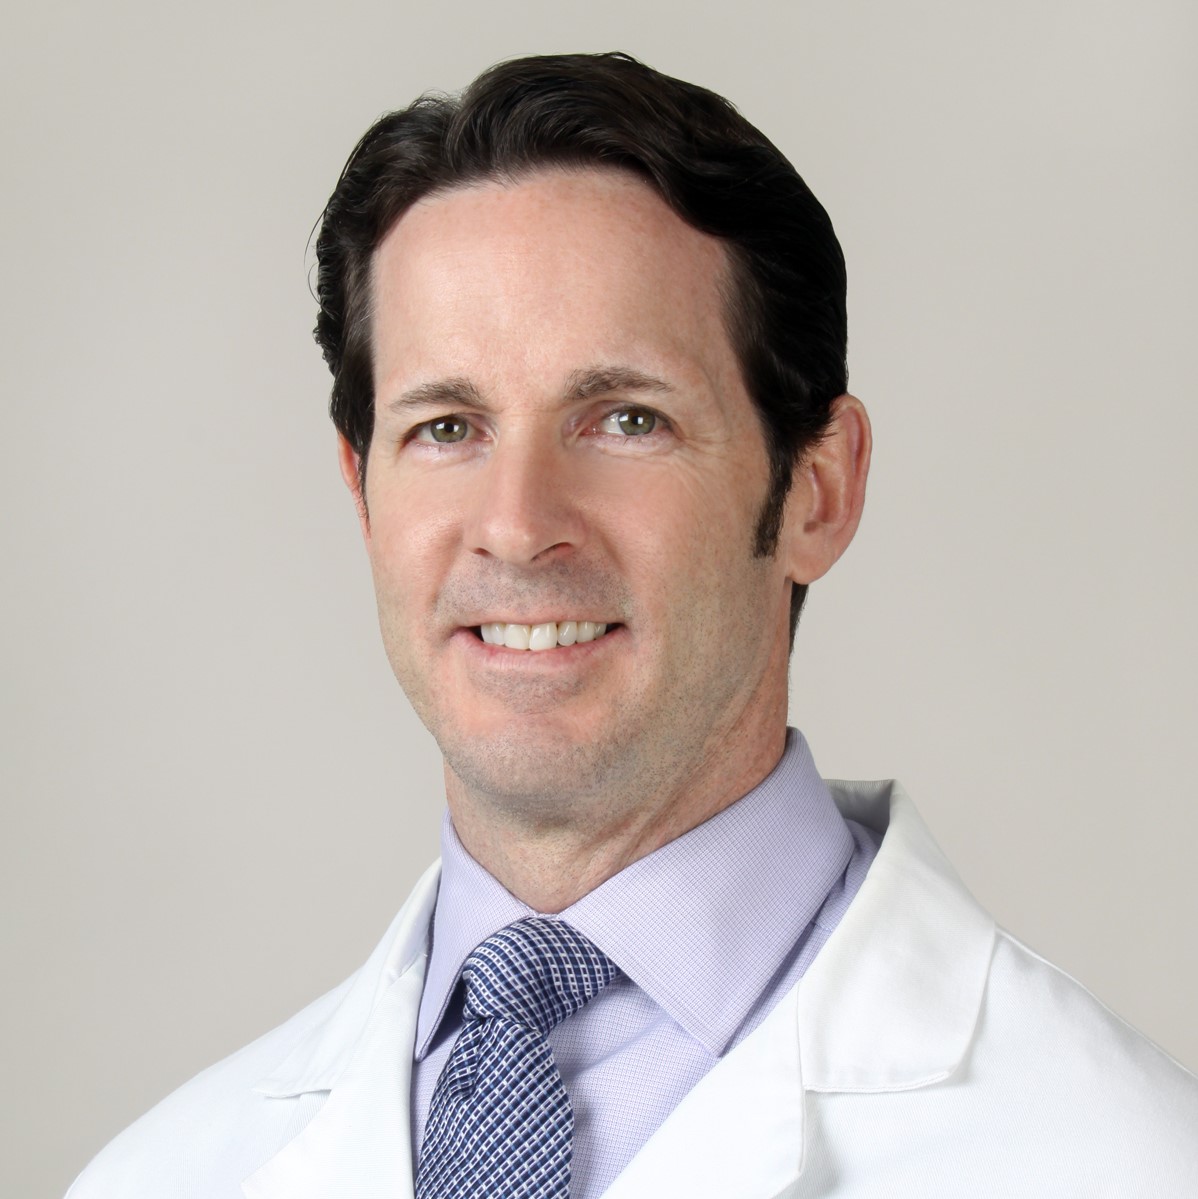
<point>500,1124</point>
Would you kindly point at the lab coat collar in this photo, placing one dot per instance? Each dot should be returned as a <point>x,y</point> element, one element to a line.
<point>320,1059</point>
<point>892,999</point>
<point>890,1003</point>
<point>357,1146</point>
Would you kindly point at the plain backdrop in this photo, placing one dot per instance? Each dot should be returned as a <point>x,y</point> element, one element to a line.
<point>214,795</point>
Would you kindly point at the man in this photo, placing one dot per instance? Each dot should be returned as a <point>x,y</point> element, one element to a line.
<point>587,335</point>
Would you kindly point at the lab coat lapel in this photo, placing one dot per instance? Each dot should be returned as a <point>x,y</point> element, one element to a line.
<point>890,1004</point>
<point>738,1132</point>
<point>892,999</point>
<point>358,1146</point>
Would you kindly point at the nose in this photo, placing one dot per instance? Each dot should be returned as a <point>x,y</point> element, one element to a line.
<point>524,508</point>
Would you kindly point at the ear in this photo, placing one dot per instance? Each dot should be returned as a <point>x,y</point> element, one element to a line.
<point>827,493</point>
<point>350,463</point>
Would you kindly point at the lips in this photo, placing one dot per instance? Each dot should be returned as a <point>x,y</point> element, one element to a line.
<point>537,637</point>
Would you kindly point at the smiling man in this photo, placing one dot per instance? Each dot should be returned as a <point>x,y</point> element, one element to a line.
<point>587,334</point>
<point>565,460</point>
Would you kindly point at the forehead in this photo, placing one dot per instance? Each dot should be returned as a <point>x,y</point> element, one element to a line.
<point>588,263</point>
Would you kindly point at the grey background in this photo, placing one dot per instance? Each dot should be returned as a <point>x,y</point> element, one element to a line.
<point>214,795</point>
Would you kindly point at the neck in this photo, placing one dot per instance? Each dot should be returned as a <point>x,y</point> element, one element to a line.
<point>551,861</point>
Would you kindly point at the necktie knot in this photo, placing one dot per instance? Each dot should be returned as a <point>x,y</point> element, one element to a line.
<point>501,1122</point>
<point>534,973</point>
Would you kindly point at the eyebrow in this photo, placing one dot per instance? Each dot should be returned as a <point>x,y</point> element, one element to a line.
<point>443,393</point>
<point>601,380</point>
<point>582,385</point>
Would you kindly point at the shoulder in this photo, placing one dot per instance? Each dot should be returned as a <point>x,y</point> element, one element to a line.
<point>1075,1092</point>
<point>205,1137</point>
<point>219,1128</point>
<point>1080,1095</point>
<point>1045,1024</point>
<point>939,1039</point>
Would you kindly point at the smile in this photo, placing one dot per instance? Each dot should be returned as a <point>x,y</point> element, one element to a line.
<point>541,636</point>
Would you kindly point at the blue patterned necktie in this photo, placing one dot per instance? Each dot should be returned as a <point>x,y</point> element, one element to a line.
<point>500,1123</point>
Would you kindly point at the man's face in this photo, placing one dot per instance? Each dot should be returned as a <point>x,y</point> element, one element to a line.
<point>562,435</point>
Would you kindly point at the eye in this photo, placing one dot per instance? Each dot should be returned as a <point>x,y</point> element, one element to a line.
<point>445,430</point>
<point>629,422</point>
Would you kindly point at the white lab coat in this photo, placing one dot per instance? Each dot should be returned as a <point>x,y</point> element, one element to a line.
<point>925,1053</point>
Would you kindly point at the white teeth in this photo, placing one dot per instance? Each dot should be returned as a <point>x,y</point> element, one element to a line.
<point>541,636</point>
<point>516,636</point>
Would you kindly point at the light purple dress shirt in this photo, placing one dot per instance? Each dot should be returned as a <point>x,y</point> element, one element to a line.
<point>709,932</point>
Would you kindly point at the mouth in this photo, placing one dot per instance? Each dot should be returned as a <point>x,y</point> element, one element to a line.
<point>538,637</point>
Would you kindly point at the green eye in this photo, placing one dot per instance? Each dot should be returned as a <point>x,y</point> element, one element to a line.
<point>448,430</point>
<point>631,422</point>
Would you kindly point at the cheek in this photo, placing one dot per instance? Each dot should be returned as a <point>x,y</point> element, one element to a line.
<point>412,529</point>
<point>687,550</point>
<point>405,584</point>
<point>711,517</point>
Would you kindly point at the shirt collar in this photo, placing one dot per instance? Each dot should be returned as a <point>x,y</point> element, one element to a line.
<point>471,905</point>
<point>701,924</point>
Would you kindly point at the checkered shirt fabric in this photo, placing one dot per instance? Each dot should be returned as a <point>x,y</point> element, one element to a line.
<point>500,1124</point>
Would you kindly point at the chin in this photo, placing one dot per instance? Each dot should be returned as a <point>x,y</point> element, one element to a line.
<point>537,768</point>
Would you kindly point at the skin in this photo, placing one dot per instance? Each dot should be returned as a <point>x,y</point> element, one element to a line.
<point>526,318</point>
